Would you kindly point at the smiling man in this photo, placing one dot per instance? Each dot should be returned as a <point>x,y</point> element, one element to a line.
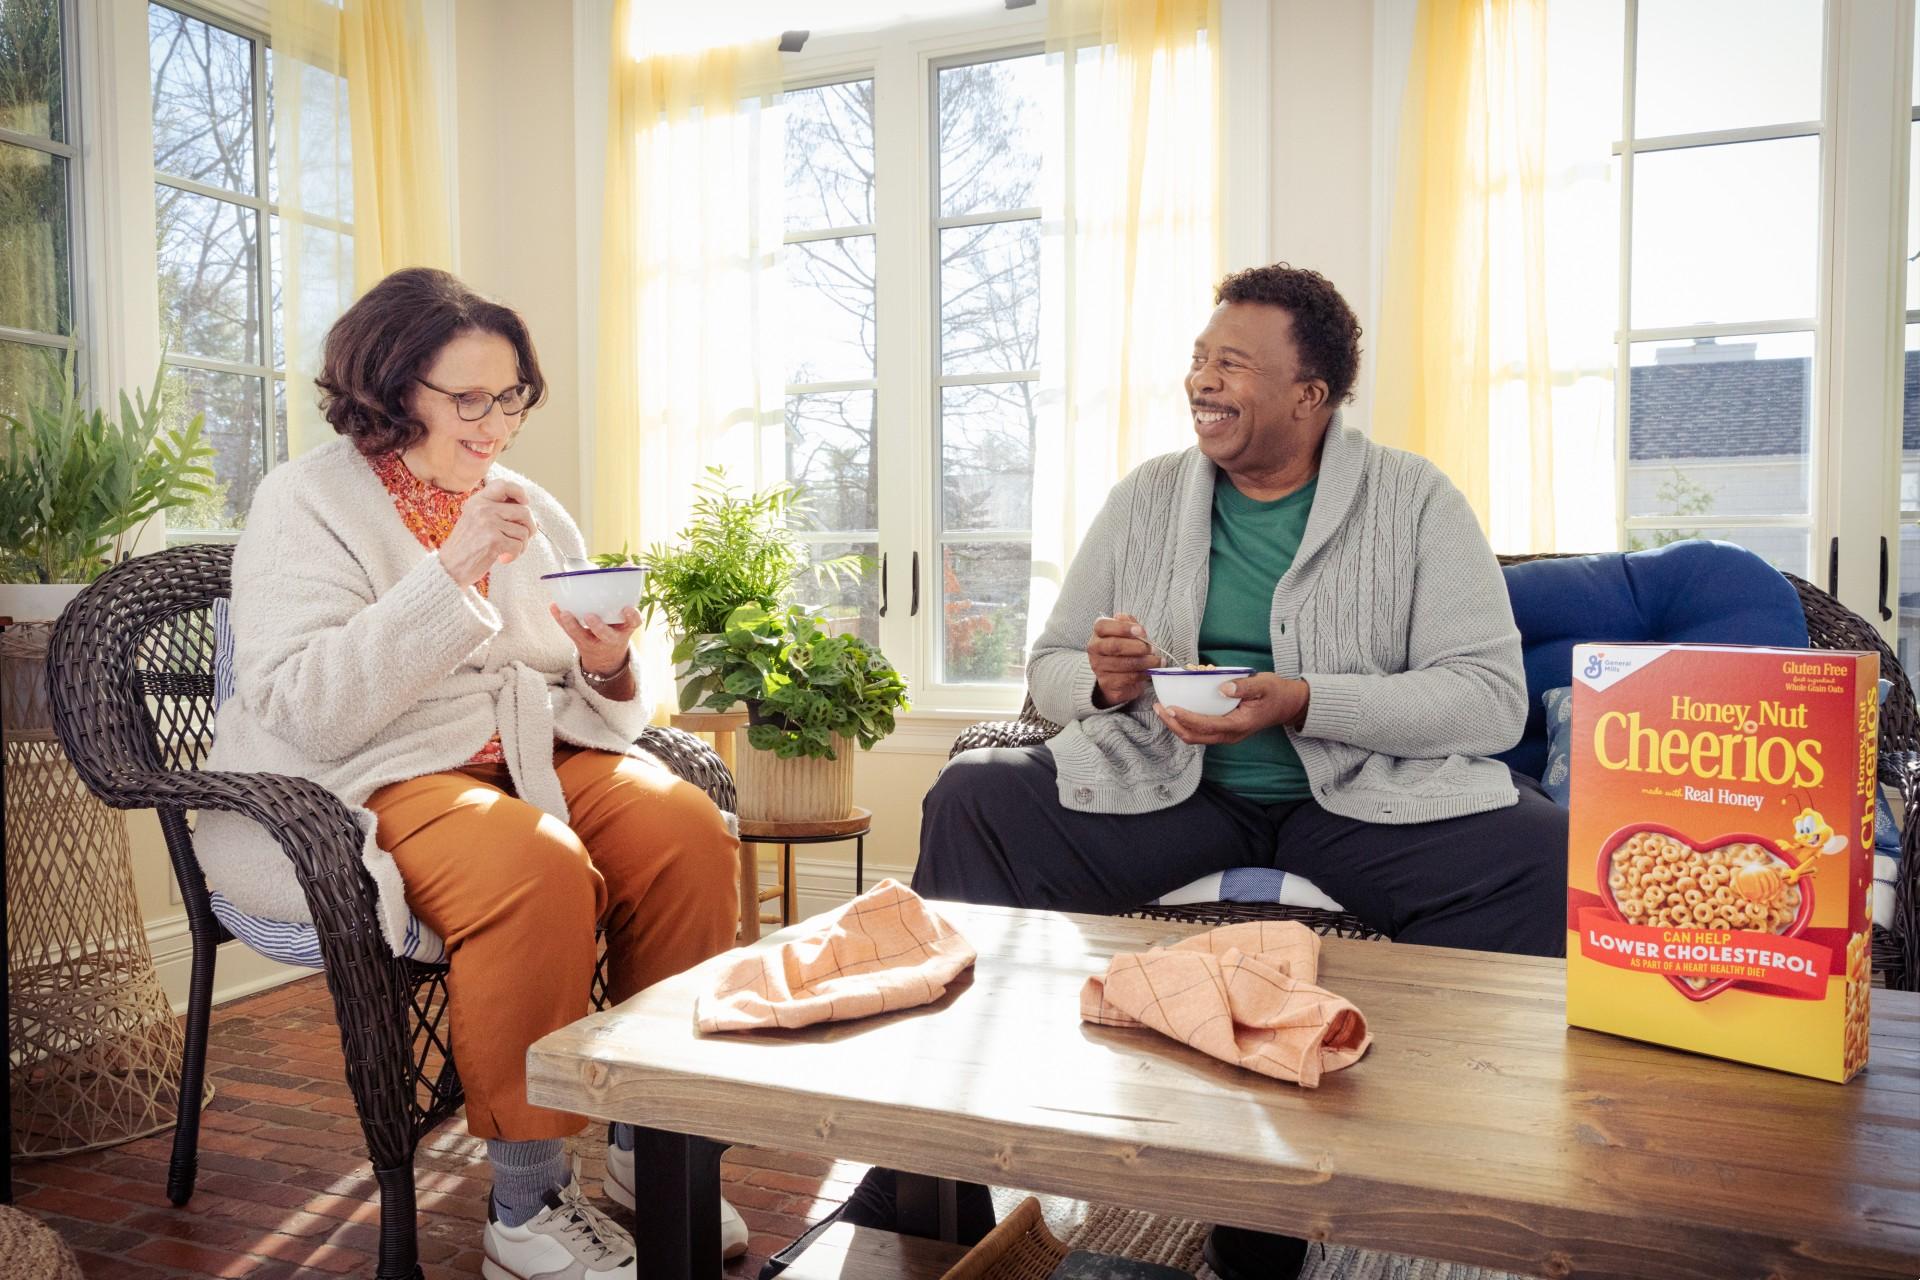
<point>1356,583</point>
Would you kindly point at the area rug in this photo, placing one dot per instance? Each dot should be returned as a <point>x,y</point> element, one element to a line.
<point>1175,1242</point>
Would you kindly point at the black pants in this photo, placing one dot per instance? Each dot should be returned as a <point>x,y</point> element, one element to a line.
<point>993,830</point>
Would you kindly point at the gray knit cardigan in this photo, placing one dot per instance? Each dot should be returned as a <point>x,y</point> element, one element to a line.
<point>1394,612</point>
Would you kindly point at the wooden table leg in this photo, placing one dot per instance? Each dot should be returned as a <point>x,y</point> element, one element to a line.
<point>749,893</point>
<point>928,1207</point>
<point>677,1205</point>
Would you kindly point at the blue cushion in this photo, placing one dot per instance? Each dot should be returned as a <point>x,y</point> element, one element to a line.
<point>1694,592</point>
<point>1558,775</point>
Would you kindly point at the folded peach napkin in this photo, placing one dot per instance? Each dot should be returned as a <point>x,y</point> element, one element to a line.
<point>1244,993</point>
<point>883,951</point>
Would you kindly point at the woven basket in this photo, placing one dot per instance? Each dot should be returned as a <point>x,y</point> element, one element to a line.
<point>1020,1248</point>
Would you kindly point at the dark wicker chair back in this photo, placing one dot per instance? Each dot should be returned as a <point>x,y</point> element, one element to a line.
<point>131,674</point>
<point>1830,625</point>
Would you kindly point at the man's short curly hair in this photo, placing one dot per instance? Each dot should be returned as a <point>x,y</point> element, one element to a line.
<point>1324,327</point>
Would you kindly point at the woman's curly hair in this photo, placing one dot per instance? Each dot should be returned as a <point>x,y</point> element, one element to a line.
<point>1324,327</point>
<point>387,339</point>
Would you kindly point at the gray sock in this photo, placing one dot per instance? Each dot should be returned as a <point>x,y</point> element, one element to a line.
<point>620,1135</point>
<point>523,1173</point>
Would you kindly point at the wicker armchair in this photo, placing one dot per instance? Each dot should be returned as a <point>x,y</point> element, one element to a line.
<point>1830,625</point>
<point>131,674</point>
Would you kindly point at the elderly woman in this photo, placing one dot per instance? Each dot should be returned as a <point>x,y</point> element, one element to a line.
<point>394,643</point>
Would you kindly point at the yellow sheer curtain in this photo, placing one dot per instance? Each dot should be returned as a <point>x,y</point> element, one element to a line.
<point>1131,251</point>
<point>689,371</point>
<point>362,185</point>
<point>1465,374</point>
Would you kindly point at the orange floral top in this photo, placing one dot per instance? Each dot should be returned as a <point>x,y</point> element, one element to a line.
<point>430,512</point>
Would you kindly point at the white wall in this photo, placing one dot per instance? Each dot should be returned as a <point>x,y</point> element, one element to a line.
<point>1321,208</point>
<point>514,121</point>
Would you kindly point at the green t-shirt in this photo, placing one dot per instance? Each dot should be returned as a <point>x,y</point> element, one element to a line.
<point>1253,545</point>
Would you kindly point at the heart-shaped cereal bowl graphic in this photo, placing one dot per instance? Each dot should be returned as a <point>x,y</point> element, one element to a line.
<point>1676,865</point>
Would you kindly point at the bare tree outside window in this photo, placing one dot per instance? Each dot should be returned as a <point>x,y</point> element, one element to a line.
<point>990,158</point>
<point>217,243</point>
<point>986,236</point>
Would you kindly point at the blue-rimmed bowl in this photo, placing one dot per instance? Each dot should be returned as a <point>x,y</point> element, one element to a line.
<point>604,593</point>
<point>1197,691</point>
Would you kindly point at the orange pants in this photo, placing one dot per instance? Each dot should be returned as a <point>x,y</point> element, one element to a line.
<point>516,894</point>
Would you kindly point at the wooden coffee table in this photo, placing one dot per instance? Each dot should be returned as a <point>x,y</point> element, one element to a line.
<point>1478,1128</point>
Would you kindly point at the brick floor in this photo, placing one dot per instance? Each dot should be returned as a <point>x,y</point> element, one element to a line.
<point>285,1188</point>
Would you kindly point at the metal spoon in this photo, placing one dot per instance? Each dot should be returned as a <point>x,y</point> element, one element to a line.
<point>1171,660</point>
<point>572,564</point>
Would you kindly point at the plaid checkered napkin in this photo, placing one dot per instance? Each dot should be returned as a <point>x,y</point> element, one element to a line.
<point>883,951</point>
<point>1244,993</point>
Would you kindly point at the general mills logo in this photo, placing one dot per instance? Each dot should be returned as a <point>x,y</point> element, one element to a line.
<point>1595,666</point>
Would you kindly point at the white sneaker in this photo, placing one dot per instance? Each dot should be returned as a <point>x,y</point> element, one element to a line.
<point>567,1240</point>
<point>619,1189</point>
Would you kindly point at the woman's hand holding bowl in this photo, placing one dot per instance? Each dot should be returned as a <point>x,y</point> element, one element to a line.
<point>603,645</point>
<point>493,528</point>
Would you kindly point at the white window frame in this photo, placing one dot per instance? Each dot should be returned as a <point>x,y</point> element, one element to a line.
<point>264,211</point>
<point>903,62</point>
<point>1853,444</point>
<point>72,149</point>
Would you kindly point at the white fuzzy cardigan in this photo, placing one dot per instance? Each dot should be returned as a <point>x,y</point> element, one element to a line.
<point>358,663</point>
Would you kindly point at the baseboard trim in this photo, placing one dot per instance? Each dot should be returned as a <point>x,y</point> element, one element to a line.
<point>237,971</point>
<point>826,883</point>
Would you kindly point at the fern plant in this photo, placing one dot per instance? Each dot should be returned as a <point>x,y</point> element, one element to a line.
<point>76,485</point>
<point>737,549</point>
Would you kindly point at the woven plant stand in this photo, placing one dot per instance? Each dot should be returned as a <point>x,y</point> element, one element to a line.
<point>96,1048</point>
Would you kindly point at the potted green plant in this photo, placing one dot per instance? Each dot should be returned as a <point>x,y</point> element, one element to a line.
<point>77,485</point>
<point>811,696</point>
<point>737,549</point>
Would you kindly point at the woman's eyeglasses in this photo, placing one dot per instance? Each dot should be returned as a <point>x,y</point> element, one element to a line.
<point>475,405</point>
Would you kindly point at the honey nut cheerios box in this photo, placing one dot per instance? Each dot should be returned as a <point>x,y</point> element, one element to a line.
<point>1721,850</point>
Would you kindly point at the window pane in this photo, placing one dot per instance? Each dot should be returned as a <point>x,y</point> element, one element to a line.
<point>209,279</point>
<point>829,156</point>
<point>1784,549</point>
<point>202,100</point>
<point>986,456</point>
<point>1910,426</point>
<point>1725,234</point>
<point>279,420</point>
<point>1720,428</point>
<point>991,116</point>
<point>990,298</point>
<point>231,403</point>
<point>830,460</point>
<point>35,270</point>
<point>29,375</point>
<point>1726,64</point>
<point>30,71</point>
<point>276,279</point>
<point>850,602</point>
<point>1907,637</point>
<point>830,299</point>
<point>1913,216</point>
<point>983,601</point>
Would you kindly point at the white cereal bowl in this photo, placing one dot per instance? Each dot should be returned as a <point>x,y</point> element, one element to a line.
<point>1197,691</point>
<point>604,593</point>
